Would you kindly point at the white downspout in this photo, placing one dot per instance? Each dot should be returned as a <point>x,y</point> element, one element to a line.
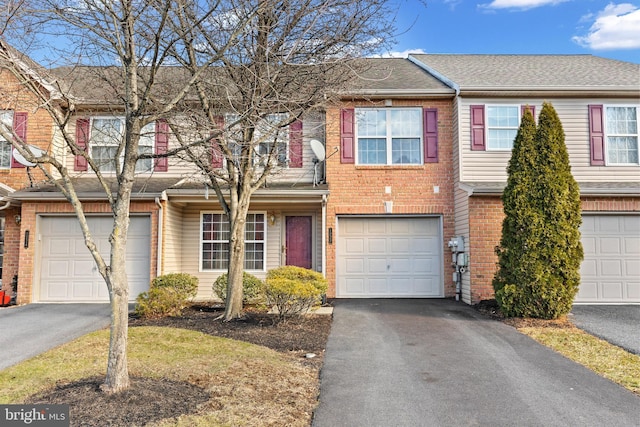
<point>163,196</point>
<point>324,232</point>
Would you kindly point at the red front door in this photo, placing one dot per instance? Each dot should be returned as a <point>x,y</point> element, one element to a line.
<point>298,250</point>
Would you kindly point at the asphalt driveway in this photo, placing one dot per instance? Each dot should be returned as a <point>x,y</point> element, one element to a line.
<point>617,324</point>
<point>32,329</point>
<point>440,363</point>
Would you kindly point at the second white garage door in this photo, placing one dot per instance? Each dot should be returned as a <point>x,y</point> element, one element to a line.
<point>68,272</point>
<point>610,272</point>
<point>386,257</point>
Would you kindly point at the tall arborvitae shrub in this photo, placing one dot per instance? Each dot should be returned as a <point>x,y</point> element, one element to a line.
<point>540,251</point>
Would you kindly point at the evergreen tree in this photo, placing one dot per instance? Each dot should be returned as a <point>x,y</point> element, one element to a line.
<point>540,251</point>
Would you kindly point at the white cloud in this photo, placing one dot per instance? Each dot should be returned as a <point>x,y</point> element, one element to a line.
<point>617,26</point>
<point>398,54</point>
<point>519,4</point>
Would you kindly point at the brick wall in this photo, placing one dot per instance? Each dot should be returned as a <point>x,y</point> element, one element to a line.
<point>30,211</point>
<point>485,226</point>
<point>361,189</point>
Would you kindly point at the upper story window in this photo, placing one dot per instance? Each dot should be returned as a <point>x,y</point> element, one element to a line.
<point>621,127</point>
<point>106,136</point>
<point>503,122</point>
<point>270,137</point>
<point>613,134</point>
<point>6,117</point>
<point>215,236</point>
<point>389,136</point>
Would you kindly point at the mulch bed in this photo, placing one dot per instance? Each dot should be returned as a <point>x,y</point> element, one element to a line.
<point>150,399</point>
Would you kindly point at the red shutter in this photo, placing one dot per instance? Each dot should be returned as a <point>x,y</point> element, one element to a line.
<point>217,158</point>
<point>596,134</point>
<point>161,145</point>
<point>347,135</point>
<point>430,135</point>
<point>531,108</point>
<point>295,144</point>
<point>477,128</point>
<point>82,141</point>
<point>20,130</point>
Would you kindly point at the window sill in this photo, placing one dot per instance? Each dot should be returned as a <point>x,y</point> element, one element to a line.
<point>385,167</point>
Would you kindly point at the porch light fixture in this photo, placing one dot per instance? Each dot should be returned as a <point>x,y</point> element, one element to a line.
<point>18,219</point>
<point>272,218</point>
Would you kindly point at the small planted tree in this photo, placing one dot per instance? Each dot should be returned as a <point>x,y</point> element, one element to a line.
<point>540,251</point>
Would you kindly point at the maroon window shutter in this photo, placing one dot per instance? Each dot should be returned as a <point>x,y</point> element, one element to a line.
<point>217,158</point>
<point>347,135</point>
<point>295,144</point>
<point>82,141</point>
<point>596,134</point>
<point>477,128</point>
<point>430,135</point>
<point>531,108</point>
<point>161,145</point>
<point>20,129</point>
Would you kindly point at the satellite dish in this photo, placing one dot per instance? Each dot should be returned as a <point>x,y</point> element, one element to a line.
<point>318,149</point>
<point>37,152</point>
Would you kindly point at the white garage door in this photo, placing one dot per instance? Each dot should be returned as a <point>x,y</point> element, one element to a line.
<point>389,258</point>
<point>68,272</point>
<point>610,272</point>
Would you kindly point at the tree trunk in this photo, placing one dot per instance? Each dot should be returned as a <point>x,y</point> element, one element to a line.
<point>117,378</point>
<point>234,308</point>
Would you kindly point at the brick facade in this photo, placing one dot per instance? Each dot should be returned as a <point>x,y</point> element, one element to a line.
<point>485,229</point>
<point>361,189</point>
<point>31,210</point>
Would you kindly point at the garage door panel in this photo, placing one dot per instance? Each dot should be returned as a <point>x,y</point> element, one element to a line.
<point>68,271</point>
<point>610,271</point>
<point>401,257</point>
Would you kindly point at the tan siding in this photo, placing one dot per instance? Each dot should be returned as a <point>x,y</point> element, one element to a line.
<point>172,261</point>
<point>490,166</point>
<point>190,242</point>
<point>462,229</point>
<point>313,128</point>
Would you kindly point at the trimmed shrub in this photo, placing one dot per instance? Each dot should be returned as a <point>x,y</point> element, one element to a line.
<point>167,296</point>
<point>294,290</point>
<point>540,250</point>
<point>252,288</point>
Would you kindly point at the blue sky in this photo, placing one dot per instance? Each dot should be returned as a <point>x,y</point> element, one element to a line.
<point>606,28</point>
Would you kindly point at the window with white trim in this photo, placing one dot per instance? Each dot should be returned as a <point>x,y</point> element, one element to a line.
<point>621,134</point>
<point>268,133</point>
<point>6,117</point>
<point>106,136</point>
<point>389,136</point>
<point>503,122</point>
<point>215,234</point>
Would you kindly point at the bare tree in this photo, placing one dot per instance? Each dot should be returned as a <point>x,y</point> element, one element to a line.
<point>127,44</point>
<point>293,57</point>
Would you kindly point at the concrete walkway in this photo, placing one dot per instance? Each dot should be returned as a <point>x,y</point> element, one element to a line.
<point>32,329</point>
<point>440,363</point>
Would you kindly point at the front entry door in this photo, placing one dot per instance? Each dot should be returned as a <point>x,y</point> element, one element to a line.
<point>298,238</point>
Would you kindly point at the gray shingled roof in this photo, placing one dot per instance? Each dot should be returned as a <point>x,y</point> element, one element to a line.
<point>578,72</point>
<point>397,76</point>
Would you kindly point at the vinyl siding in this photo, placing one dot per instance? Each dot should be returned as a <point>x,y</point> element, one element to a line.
<point>313,128</point>
<point>490,166</point>
<point>187,241</point>
<point>172,260</point>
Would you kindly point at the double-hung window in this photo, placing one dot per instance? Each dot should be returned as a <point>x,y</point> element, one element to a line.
<point>389,136</point>
<point>106,136</point>
<point>621,127</point>
<point>215,235</point>
<point>6,117</point>
<point>503,122</point>
<point>269,136</point>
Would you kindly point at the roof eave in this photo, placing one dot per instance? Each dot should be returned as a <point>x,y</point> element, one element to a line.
<point>399,93</point>
<point>599,91</point>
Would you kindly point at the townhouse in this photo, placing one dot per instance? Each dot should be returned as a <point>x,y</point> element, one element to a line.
<point>374,191</point>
